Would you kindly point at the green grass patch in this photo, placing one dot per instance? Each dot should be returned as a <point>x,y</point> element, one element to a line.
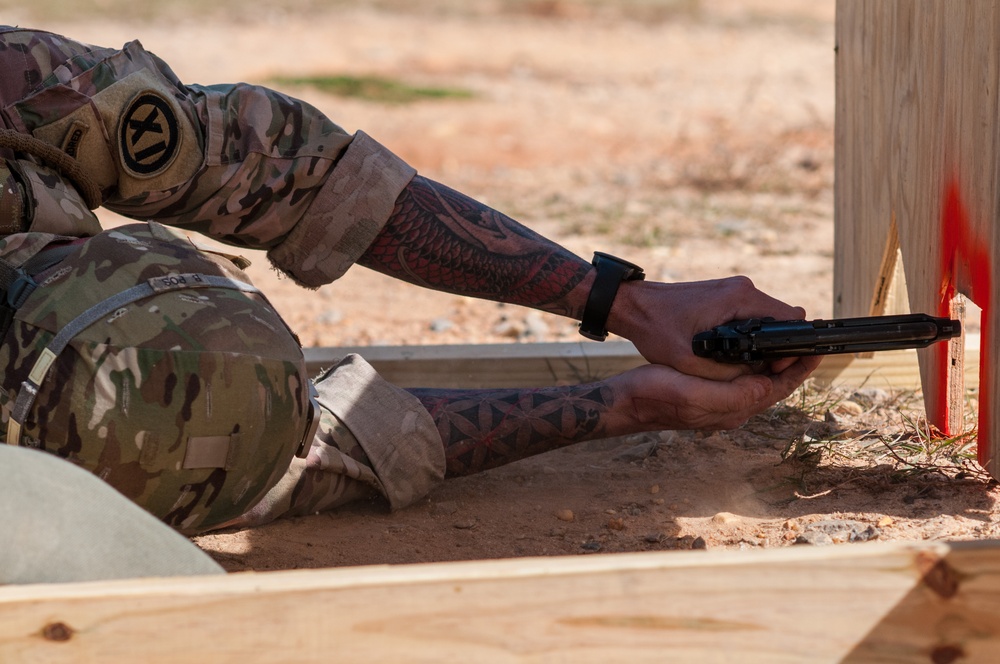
<point>373,88</point>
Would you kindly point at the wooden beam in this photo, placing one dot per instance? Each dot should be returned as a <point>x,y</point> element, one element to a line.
<point>918,602</point>
<point>533,365</point>
<point>489,365</point>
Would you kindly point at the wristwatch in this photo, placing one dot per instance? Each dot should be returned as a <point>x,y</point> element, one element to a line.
<point>611,272</point>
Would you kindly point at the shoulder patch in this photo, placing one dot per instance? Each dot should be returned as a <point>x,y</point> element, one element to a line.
<point>148,135</point>
<point>74,137</point>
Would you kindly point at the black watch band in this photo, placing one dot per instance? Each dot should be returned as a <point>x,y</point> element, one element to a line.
<point>611,272</point>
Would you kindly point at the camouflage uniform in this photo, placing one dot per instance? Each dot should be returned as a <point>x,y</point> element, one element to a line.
<point>250,167</point>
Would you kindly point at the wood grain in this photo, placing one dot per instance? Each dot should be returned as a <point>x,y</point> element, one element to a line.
<point>533,365</point>
<point>786,605</point>
<point>917,138</point>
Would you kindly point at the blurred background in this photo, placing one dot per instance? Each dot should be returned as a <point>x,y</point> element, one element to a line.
<point>694,137</point>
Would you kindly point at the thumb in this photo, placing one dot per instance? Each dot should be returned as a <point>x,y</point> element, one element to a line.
<point>752,392</point>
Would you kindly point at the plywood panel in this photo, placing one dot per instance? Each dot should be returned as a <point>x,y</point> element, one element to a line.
<point>917,142</point>
<point>864,231</point>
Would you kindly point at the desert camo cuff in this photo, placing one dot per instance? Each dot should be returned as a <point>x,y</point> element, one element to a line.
<point>393,428</point>
<point>348,213</point>
<point>56,206</point>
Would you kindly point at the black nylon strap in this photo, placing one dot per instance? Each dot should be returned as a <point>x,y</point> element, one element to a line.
<point>8,274</point>
<point>611,272</point>
<point>17,283</point>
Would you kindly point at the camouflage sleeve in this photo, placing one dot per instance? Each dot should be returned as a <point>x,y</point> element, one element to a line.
<point>398,436</point>
<point>242,163</point>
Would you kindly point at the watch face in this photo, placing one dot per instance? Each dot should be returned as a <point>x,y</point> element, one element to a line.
<point>631,272</point>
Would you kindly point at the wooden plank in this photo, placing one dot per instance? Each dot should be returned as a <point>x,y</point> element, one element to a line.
<point>910,602</point>
<point>917,144</point>
<point>489,365</point>
<point>533,365</point>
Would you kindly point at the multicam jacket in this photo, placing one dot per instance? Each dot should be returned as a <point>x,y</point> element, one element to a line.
<point>243,164</point>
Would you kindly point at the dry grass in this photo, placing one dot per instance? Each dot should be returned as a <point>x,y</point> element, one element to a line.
<point>834,433</point>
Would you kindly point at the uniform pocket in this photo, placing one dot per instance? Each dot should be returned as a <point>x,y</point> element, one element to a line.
<point>127,120</point>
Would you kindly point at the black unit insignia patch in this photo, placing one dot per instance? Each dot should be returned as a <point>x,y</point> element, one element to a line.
<point>148,136</point>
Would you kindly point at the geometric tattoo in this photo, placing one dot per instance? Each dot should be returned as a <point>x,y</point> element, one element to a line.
<point>487,428</point>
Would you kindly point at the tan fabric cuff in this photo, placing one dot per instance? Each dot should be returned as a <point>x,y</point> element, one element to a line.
<point>391,425</point>
<point>349,211</point>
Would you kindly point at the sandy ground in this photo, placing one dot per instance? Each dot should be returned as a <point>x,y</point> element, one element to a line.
<point>696,141</point>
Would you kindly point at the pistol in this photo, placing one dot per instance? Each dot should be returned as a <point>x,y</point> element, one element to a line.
<point>763,339</point>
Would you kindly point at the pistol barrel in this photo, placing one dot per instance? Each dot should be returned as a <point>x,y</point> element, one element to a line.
<point>760,340</point>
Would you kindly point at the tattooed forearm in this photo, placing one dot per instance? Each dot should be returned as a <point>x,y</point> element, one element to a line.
<point>486,428</point>
<point>442,239</point>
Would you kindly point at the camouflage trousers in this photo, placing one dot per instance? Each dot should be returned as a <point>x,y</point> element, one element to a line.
<point>388,446</point>
<point>334,473</point>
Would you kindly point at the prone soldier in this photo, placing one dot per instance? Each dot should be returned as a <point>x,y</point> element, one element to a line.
<point>160,411</point>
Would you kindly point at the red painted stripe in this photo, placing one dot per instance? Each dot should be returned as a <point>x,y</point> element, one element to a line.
<point>965,267</point>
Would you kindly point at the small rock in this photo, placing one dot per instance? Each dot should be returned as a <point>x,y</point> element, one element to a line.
<point>690,542</point>
<point>591,546</point>
<point>565,515</point>
<point>834,531</point>
<point>447,507</point>
<point>535,326</point>
<point>654,538</point>
<point>617,523</point>
<point>441,325</point>
<point>848,407</point>
<point>816,538</point>
<point>465,524</point>
<point>835,418</point>
<point>725,518</point>
<point>507,328</point>
<point>639,452</point>
<point>885,522</point>
<point>792,524</point>
<point>871,395</point>
<point>655,488</point>
<point>658,501</point>
<point>715,441</point>
<point>330,317</point>
<point>731,226</point>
